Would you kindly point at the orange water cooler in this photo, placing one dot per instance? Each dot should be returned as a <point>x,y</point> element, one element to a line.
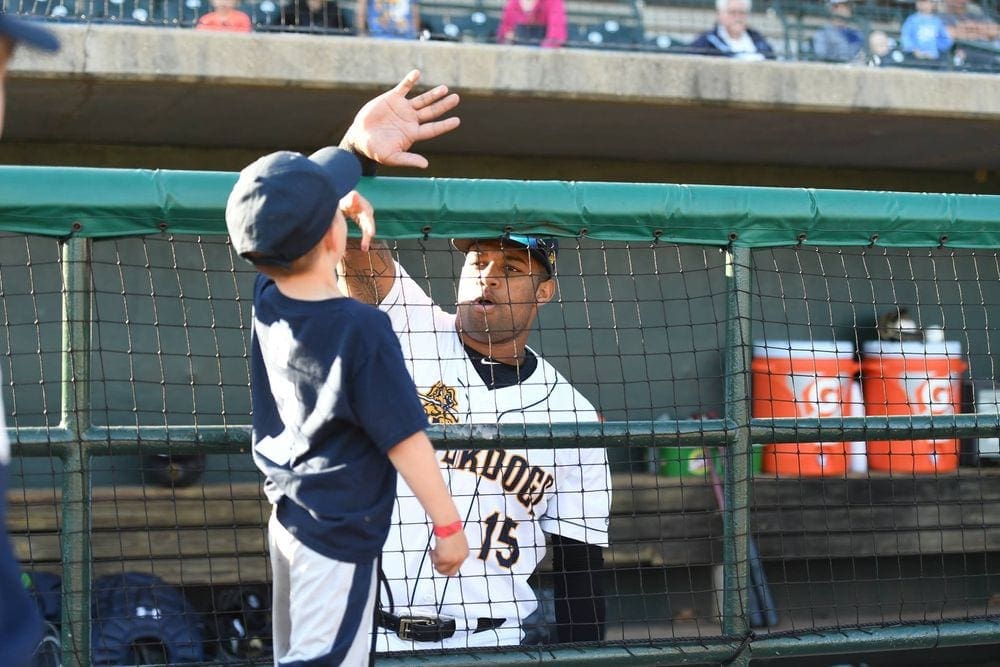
<point>912,378</point>
<point>809,379</point>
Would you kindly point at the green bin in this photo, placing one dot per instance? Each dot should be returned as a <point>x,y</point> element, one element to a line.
<point>694,461</point>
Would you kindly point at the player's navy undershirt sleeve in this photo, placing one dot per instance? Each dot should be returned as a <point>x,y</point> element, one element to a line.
<point>579,596</point>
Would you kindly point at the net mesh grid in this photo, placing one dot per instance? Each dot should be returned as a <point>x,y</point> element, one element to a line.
<point>637,328</point>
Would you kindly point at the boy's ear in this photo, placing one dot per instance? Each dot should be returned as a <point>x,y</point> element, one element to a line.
<point>330,239</point>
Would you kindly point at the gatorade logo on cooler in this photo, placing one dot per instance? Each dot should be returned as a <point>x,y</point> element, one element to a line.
<point>930,396</point>
<point>817,396</point>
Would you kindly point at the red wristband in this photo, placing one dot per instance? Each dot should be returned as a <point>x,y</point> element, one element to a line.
<point>442,532</point>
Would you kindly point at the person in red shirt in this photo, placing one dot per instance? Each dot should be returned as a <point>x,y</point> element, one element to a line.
<point>225,18</point>
<point>541,22</point>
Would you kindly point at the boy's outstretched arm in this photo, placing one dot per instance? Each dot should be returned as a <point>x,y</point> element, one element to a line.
<point>415,460</point>
<point>387,126</point>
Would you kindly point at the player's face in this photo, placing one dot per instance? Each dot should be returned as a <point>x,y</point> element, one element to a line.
<point>6,51</point>
<point>499,293</point>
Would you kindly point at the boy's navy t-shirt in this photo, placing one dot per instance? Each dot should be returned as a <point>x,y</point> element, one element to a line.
<point>331,395</point>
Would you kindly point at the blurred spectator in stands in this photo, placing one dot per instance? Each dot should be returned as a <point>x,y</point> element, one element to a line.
<point>880,49</point>
<point>392,19</point>
<point>541,22</point>
<point>225,17</point>
<point>971,24</point>
<point>840,41</point>
<point>923,34</point>
<point>312,14</point>
<point>731,36</point>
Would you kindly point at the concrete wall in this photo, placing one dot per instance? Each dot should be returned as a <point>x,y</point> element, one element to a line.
<point>174,98</point>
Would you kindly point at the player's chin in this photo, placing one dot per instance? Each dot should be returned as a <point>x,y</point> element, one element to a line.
<point>473,317</point>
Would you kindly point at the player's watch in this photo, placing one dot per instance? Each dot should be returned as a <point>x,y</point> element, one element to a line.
<point>442,532</point>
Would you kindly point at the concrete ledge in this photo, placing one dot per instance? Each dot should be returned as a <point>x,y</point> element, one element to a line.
<point>123,53</point>
<point>120,84</point>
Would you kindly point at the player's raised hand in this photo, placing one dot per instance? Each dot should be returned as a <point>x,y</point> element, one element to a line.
<point>355,207</point>
<point>387,126</point>
<point>449,553</point>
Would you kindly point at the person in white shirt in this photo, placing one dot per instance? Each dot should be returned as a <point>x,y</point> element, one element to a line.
<point>731,36</point>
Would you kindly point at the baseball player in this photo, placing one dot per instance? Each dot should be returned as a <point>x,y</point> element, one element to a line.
<point>20,624</point>
<point>474,367</point>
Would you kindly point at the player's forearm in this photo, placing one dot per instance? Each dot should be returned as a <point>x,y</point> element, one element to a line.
<point>415,460</point>
<point>367,276</point>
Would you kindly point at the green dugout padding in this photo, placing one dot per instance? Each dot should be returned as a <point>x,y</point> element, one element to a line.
<point>105,203</point>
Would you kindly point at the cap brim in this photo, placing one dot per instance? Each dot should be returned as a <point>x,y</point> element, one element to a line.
<point>463,245</point>
<point>25,32</point>
<point>341,165</point>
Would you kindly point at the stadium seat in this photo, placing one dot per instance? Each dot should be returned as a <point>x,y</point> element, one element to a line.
<point>475,26</point>
<point>190,10</point>
<point>433,24</point>
<point>460,20</point>
<point>262,13</point>
<point>613,26</point>
<point>977,56</point>
<point>664,44</point>
<point>51,9</point>
<point>171,12</point>
<point>348,19</point>
<point>122,11</point>
<point>607,34</point>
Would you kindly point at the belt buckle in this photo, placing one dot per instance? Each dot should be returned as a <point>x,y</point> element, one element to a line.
<point>410,627</point>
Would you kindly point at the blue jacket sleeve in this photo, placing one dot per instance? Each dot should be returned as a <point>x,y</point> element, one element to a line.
<point>907,34</point>
<point>944,40</point>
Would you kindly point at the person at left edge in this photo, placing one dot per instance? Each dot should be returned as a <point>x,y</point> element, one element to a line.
<point>20,622</point>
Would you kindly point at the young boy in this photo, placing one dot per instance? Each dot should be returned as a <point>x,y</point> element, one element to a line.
<point>335,413</point>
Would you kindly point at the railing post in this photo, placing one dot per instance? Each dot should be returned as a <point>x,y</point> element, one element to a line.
<point>75,418</point>
<point>736,489</point>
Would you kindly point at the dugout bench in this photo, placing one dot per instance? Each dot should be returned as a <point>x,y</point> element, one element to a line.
<point>213,534</point>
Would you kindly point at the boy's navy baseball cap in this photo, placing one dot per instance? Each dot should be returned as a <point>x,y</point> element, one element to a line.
<point>283,203</point>
<point>543,248</point>
<point>25,32</point>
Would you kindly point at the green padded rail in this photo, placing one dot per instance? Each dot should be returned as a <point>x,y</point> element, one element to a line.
<point>105,203</point>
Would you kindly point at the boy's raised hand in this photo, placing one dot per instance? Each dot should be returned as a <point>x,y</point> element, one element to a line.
<point>355,207</point>
<point>387,126</point>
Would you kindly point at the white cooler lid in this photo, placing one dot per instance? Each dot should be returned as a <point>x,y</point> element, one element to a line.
<point>802,348</point>
<point>951,348</point>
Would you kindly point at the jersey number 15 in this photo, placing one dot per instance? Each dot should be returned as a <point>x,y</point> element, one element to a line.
<point>499,540</point>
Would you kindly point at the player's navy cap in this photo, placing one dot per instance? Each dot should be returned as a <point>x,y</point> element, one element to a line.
<point>283,203</point>
<point>26,32</point>
<point>543,248</point>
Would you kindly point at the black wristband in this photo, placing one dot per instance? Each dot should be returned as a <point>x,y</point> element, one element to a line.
<point>368,165</point>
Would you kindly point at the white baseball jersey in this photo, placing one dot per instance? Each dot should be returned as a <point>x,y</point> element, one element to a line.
<point>507,497</point>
